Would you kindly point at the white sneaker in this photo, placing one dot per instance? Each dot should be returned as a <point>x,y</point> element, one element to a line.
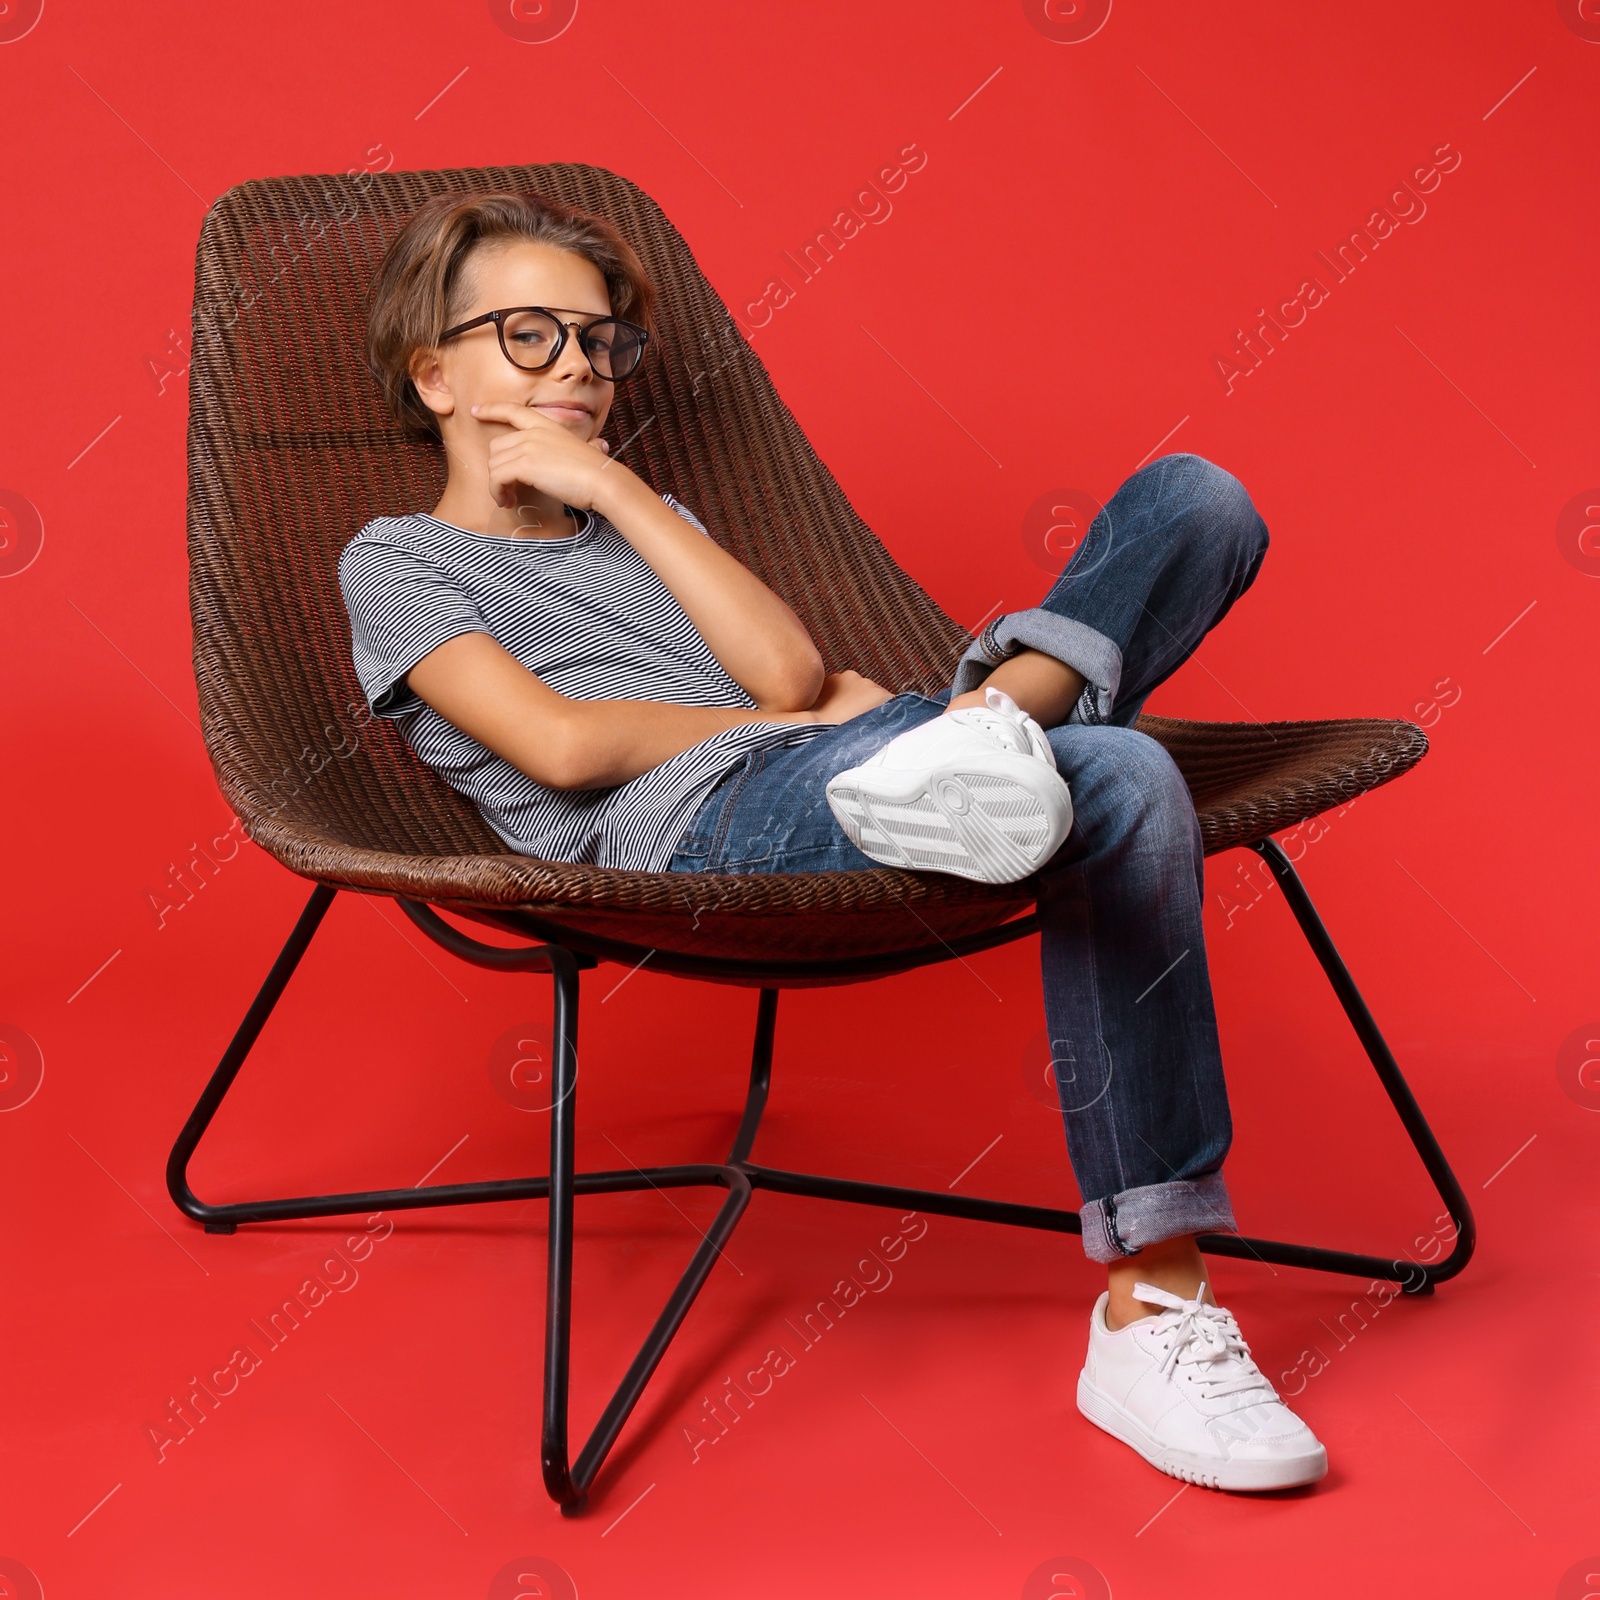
<point>973,791</point>
<point>1182,1390</point>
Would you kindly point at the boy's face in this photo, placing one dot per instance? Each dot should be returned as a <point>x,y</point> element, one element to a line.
<point>471,368</point>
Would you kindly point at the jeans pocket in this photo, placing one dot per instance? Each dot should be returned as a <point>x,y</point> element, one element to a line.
<point>723,833</point>
<point>705,832</point>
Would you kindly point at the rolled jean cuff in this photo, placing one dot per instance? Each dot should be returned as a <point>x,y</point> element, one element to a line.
<point>1074,643</point>
<point>1123,1224</point>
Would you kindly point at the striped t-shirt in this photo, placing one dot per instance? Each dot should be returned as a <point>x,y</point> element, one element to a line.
<point>590,617</point>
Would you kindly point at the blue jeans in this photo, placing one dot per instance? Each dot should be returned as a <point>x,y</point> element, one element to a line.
<point>1127,990</point>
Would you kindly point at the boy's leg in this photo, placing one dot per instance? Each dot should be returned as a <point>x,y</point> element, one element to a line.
<point>1161,565</point>
<point>1126,986</point>
<point>1127,999</point>
<point>1047,689</point>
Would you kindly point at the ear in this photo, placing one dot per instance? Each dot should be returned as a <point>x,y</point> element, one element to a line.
<point>429,381</point>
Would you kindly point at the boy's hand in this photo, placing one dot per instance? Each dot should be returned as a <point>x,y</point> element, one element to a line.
<point>845,695</point>
<point>541,453</point>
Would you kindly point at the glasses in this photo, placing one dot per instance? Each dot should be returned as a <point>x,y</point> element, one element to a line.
<point>533,338</point>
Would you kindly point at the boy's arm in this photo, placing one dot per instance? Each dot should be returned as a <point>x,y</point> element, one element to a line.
<point>474,682</point>
<point>762,645</point>
<point>760,642</point>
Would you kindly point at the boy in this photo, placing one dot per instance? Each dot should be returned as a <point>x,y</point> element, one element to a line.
<point>572,651</point>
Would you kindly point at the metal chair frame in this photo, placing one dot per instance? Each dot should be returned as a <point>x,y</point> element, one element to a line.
<point>564,957</point>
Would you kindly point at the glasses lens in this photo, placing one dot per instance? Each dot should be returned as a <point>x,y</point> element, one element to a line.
<point>614,347</point>
<point>531,338</point>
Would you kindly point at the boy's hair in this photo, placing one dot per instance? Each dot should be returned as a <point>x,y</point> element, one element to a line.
<point>421,284</point>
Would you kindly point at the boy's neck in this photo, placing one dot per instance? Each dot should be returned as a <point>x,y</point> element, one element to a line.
<point>535,516</point>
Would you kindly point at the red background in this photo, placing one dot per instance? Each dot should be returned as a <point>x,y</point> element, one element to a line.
<point>1040,312</point>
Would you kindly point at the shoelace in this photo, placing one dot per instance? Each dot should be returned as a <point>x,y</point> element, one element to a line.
<point>1207,1335</point>
<point>1003,718</point>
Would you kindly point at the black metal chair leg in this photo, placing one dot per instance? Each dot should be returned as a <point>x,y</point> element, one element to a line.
<point>558,1283</point>
<point>566,1484</point>
<point>233,1058</point>
<point>760,1076</point>
<point>1413,1277</point>
<point>1416,1277</point>
<point>644,1364</point>
<point>569,1487</point>
<point>226,1218</point>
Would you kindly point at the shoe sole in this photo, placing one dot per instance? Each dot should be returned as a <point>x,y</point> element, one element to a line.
<point>979,825</point>
<point>1207,1473</point>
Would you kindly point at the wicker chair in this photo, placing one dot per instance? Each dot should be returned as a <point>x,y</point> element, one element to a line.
<point>290,452</point>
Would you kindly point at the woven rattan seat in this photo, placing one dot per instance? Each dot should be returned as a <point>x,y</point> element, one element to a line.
<point>291,452</point>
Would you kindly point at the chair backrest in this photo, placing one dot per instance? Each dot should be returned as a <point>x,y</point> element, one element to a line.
<point>291,451</point>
